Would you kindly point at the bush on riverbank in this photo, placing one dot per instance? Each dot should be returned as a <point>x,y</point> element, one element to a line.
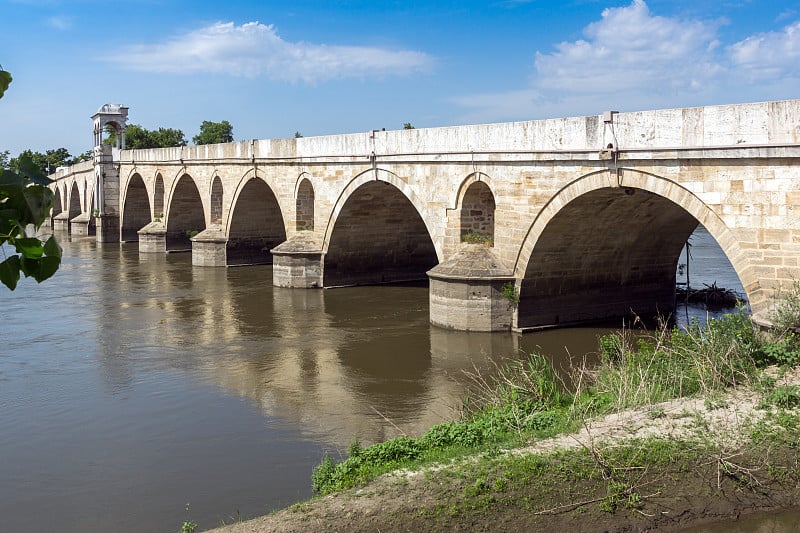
<point>527,399</point>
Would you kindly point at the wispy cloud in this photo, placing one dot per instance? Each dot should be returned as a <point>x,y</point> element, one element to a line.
<point>60,22</point>
<point>255,49</point>
<point>631,58</point>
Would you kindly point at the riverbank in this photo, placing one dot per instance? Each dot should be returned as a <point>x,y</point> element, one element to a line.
<point>666,467</point>
<point>668,432</point>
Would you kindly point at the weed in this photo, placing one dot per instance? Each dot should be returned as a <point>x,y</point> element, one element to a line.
<point>499,484</point>
<point>354,450</point>
<point>785,314</point>
<point>322,474</point>
<point>480,486</point>
<point>188,526</point>
<point>616,493</point>
<point>784,397</point>
<point>764,383</point>
<point>509,290</point>
<point>474,237</point>
<point>715,400</point>
<point>671,363</point>
<point>783,351</point>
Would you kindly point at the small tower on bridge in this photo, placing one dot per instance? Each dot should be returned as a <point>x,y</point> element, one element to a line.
<point>112,117</point>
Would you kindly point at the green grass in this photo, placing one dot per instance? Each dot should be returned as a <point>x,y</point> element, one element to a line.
<point>525,400</point>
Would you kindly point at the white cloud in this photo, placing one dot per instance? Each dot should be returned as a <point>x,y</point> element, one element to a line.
<point>255,49</point>
<point>770,56</point>
<point>632,59</point>
<point>632,50</point>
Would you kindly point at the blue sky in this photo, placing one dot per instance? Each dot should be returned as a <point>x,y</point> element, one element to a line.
<point>320,67</point>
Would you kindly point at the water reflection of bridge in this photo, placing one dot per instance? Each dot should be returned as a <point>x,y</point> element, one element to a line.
<point>306,356</point>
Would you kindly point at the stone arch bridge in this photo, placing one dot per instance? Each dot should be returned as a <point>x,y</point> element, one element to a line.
<point>517,225</point>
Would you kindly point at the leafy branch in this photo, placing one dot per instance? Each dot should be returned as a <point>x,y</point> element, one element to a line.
<point>25,200</point>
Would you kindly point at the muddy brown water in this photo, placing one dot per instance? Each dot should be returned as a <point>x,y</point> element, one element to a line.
<point>132,386</point>
<point>782,522</point>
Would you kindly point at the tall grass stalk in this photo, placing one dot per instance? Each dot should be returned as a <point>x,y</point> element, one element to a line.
<point>527,399</point>
<point>785,314</point>
<point>670,363</point>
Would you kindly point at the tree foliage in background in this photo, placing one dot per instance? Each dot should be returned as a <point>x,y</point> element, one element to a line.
<point>408,126</point>
<point>138,138</point>
<point>24,200</point>
<point>46,163</point>
<point>214,133</point>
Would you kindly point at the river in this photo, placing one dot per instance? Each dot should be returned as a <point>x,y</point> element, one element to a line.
<point>132,386</point>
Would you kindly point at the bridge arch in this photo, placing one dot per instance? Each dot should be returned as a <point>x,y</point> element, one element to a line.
<point>58,204</point>
<point>600,250</point>
<point>135,208</point>
<point>217,194</point>
<point>304,202</point>
<point>391,178</point>
<point>255,221</point>
<point>378,232</point>
<point>74,204</point>
<point>158,198</point>
<point>476,209</point>
<point>185,216</point>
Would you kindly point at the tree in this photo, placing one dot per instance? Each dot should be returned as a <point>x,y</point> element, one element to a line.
<point>88,155</point>
<point>136,137</point>
<point>29,158</point>
<point>24,200</point>
<point>298,135</point>
<point>5,160</point>
<point>59,157</point>
<point>167,138</point>
<point>139,138</point>
<point>408,126</point>
<point>46,163</point>
<point>214,133</point>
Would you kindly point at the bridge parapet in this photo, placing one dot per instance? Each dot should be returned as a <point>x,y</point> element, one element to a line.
<point>765,124</point>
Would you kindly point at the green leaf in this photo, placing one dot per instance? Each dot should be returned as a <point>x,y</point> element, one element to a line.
<point>52,248</point>
<point>47,267</point>
<point>30,248</point>
<point>30,170</point>
<point>39,201</point>
<point>9,272</point>
<point>40,269</point>
<point>5,81</point>
<point>10,182</point>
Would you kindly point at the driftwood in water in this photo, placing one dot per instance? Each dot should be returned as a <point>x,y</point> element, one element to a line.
<point>711,296</point>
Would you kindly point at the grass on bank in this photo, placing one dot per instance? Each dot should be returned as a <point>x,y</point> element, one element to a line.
<point>527,400</point>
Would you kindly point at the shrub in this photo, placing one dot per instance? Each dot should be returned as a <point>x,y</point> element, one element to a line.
<point>785,315</point>
<point>473,237</point>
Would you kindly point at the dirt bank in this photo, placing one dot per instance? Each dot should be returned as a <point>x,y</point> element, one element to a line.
<point>666,467</point>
